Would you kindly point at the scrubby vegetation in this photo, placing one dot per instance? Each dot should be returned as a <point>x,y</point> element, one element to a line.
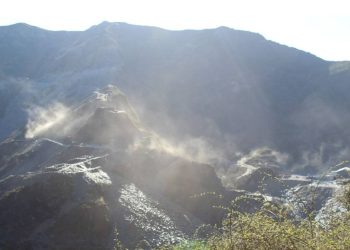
<point>272,227</point>
<point>261,231</point>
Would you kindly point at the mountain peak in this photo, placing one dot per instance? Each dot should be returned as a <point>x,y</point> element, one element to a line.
<point>21,27</point>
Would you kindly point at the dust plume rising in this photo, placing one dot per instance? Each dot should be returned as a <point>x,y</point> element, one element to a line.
<point>41,119</point>
<point>192,149</point>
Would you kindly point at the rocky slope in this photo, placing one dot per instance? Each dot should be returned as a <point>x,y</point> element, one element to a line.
<point>92,175</point>
<point>97,176</point>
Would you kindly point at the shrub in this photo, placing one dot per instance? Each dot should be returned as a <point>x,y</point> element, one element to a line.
<point>271,227</point>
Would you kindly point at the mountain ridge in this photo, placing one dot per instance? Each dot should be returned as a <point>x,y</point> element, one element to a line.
<point>228,86</point>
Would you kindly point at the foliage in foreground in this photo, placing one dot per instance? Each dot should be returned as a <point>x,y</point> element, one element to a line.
<point>260,231</point>
<point>272,228</point>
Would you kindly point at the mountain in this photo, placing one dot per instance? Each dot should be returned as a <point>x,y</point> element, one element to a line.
<point>95,176</point>
<point>138,133</point>
<point>234,89</point>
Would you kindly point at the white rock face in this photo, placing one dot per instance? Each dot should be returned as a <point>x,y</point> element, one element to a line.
<point>146,214</point>
<point>91,174</point>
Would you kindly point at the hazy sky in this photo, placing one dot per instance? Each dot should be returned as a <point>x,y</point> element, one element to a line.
<point>317,26</point>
